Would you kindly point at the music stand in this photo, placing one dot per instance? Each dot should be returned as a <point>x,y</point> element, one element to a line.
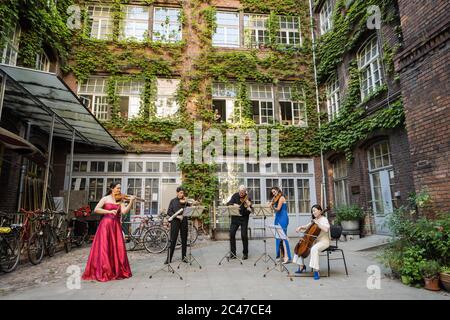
<point>264,211</point>
<point>229,211</point>
<point>278,233</point>
<point>192,212</point>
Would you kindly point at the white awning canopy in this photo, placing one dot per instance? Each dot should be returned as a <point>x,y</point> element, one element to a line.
<point>36,96</point>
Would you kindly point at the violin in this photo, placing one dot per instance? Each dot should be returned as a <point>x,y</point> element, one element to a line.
<point>120,197</point>
<point>244,200</point>
<point>275,199</point>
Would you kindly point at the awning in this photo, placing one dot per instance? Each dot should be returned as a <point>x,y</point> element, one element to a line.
<point>36,96</point>
<point>12,141</point>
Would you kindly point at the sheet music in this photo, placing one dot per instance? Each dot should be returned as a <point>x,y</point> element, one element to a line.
<point>278,232</point>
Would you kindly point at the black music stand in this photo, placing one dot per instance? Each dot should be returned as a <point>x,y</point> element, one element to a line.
<point>264,211</point>
<point>278,233</point>
<point>192,212</point>
<point>229,211</point>
<point>168,266</point>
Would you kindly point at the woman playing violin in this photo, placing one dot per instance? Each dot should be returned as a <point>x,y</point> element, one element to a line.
<point>108,257</point>
<point>322,242</point>
<point>281,218</point>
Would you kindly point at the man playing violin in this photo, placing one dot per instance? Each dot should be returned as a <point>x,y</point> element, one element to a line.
<point>241,200</point>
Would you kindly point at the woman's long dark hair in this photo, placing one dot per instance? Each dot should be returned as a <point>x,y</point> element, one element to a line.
<point>111,187</point>
<point>318,207</point>
<point>278,190</point>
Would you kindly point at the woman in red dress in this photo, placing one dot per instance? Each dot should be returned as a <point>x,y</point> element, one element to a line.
<point>108,257</point>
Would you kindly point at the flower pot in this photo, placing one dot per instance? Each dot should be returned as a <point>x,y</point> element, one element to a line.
<point>432,284</point>
<point>445,281</point>
<point>350,225</point>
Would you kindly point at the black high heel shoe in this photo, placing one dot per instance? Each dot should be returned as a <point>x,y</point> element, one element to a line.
<point>301,270</point>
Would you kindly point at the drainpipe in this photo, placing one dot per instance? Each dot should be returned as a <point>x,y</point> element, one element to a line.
<point>47,169</point>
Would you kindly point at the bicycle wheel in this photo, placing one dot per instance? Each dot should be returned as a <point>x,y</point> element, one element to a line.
<point>50,241</point>
<point>36,248</point>
<point>192,236</point>
<point>68,240</point>
<point>9,253</point>
<point>133,240</point>
<point>156,239</point>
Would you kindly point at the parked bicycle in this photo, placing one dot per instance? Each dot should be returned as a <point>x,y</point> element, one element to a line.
<point>32,236</point>
<point>149,235</point>
<point>77,233</point>
<point>9,243</point>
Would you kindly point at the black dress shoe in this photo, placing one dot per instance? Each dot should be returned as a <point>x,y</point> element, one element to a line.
<point>245,257</point>
<point>166,262</point>
<point>232,256</point>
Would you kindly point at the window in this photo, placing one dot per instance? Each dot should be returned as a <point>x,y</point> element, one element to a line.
<point>166,104</point>
<point>287,167</point>
<point>135,23</point>
<point>292,112</point>
<point>109,181</point>
<point>95,189</point>
<point>129,93</point>
<point>94,92</point>
<point>302,168</point>
<point>254,190</point>
<point>333,98</point>
<point>168,180</point>
<point>304,195</point>
<point>151,196</point>
<point>370,68</point>
<point>135,166</point>
<point>79,166</point>
<point>379,156</point>
<point>261,97</point>
<point>289,31</point>
<point>135,189</point>
<point>269,184</point>
<point>114,166</point>
<point>78,184</point>
<point>152,166</point>
<point>224,96</point>
<point>326,17</point>
<point>100,22</point>
<point>42,62</point>
<point>11,46</point>
<point>288,188</point>
<point>166,25</point>
<point>252,167</point>
<point>340,177</point>
<point>271,167</point>
<point>227,31</point>
<point>97,166</point>
<point>222,167</point>
<point>255,30</point>
<point>169,167</point>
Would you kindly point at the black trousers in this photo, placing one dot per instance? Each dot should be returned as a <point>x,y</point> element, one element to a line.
<point>237,222</point>
<point>177,226</point>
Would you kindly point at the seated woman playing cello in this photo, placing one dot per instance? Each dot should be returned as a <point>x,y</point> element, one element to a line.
<point>321,243</point>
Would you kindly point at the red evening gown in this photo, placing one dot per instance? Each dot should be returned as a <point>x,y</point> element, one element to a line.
<point>108,257</point>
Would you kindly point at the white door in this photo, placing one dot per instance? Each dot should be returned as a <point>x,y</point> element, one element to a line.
<point>381,198</point>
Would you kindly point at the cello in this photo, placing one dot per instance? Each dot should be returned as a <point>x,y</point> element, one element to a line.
<point>303,247</point>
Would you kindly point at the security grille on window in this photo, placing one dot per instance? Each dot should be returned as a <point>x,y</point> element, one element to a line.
<point>135,166</point>
<point>42,62</point>
<point>289,32</point>
<point>129,93</point>
<point>326,17</point>
<point>340,177</point>
<point>370,68</point>
<point>261,97</point>
<point>292,112</point>
<point>97,166</point>
<point>255,30</point>
<point>11,47</point>
<point>166,104</point>
<point>101,22</point>
<point>227,30</point>
<point>93,90</point>
<point>114,166</point>
<point>135,23</point>
<point>166,25</point>
<point>333,98</point>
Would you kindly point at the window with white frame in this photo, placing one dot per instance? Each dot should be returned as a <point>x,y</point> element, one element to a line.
<point>166,25</point>
<point>152,166</point>
<point>289,31</point>
<point>79,166</point>
<point>100,22</point>
<point>261,97</point>
<point>135,188</point>
<point>169,167</point>
<point>271,167</point>
<point>288,189</point>
<point>42,62</point>
<point>129,93</point>
<point>78,184</point>
<point>369,62</point>
<point>166,103</point>
<point>270,183</point>
<point>135,23</point>
<point>287,168</point>
<point>96,189</point>
<point>223,98</point>
<point>340,177</point>
<point>97,166</point>
<point>227,30</point>
<point>292,112</point>
<point>256,32</point>
<point>304,195</point>
<point>135,166</point>
<point>252,167</point>
<point>333,98</point>
<point>254,190</point>
<point>11,46</point>
<point>93,90</point>
<point>326,17</point>
<point>302,167</point>
<point>114,166</point>
<point>151,196</point>
<point>110,181</point>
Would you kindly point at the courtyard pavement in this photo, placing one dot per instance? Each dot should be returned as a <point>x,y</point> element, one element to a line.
<point>231,280</point>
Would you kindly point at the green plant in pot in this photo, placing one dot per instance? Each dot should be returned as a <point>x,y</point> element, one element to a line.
<point>444,276</point>
<point>430,272</point>
<point>349,217</point>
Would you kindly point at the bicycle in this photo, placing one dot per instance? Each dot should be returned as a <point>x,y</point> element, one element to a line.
<point>77,233</point>
<point>59,227</point>
<point>34,239</point>
<point>149,235</point>
<point>9,244</point>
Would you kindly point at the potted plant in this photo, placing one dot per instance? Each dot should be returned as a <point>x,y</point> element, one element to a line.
<point>430,272</point>
<point>349,217</point>
<point>444,275</point>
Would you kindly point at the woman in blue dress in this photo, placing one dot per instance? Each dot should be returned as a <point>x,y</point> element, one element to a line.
<point>281,218</point>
